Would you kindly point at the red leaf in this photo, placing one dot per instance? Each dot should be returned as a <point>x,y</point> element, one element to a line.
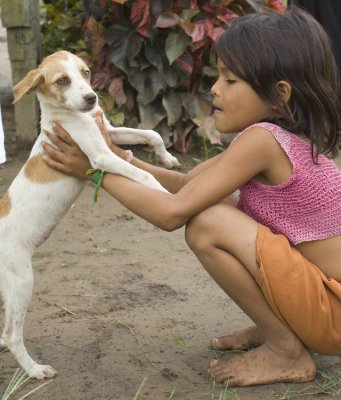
<point>212,32</point>
<point>225,17</point>
<point>185,62</point>
<point>100,80</point>
<point>167,20</point>
<point>188,27</point>
<point>116,91</point>
<point>181,134</point>
<point>178,7</point>
<point>209,26</point>
<point>138,10</point>
<point>198,32</point>
<point>276,5</point>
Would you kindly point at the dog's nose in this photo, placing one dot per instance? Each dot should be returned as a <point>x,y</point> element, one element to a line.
<point>90,98</point>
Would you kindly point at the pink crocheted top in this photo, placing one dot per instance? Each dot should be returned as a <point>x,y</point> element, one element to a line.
<point>306,207</point>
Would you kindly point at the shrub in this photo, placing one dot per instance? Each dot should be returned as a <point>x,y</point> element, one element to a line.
<point>151,60</point>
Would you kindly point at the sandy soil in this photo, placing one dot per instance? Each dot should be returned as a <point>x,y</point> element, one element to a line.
<point>117,302</point>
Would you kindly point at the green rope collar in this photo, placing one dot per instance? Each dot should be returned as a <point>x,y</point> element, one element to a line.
<point>97,177</point>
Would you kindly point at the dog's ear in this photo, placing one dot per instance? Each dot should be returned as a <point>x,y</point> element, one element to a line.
<point>27,84</point>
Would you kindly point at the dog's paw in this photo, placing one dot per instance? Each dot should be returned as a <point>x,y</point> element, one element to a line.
<point>168,160</point>
<point>2,344</point>
<point>148,180</point>
<point>41,372</point>
<point>151,182</point>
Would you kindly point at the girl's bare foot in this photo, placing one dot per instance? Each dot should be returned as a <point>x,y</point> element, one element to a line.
<point>239,340</point>
<point>264,365</point>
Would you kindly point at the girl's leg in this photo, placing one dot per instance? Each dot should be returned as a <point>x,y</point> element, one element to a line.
<point>224,240</point>
<point>243,339</point>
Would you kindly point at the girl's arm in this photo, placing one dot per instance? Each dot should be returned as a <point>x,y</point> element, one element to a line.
<point>170,179</point>
<point>252,154</point>
<point>173,181</point>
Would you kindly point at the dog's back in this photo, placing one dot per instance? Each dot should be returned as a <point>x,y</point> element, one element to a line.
<point>34,203</point>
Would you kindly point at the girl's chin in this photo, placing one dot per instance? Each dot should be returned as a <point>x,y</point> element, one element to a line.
<point>227,127</point>
<point>221,125</point>
<point>223,128</point>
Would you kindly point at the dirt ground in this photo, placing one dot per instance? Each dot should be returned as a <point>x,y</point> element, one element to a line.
<point>119,304</point>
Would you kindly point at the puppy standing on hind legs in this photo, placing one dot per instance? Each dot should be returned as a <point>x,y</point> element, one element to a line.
<point>39,196</point>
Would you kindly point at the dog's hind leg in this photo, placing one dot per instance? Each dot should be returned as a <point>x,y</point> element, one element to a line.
<point>17,292</point>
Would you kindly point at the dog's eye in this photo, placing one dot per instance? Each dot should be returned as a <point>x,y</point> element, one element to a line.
<point>62,81</point>
<point>86,72</point>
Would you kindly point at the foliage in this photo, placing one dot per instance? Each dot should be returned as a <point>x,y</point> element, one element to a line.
<point>151,60</point>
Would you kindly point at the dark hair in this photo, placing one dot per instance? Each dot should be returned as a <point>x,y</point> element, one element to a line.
<point>265,48</point>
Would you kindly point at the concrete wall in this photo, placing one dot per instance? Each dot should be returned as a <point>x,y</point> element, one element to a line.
<point>21,18</point>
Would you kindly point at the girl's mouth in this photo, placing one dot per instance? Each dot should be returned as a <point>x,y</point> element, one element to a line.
<point>217,110</point>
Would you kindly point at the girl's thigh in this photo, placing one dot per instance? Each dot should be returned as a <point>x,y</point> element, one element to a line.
<point>225,227</point>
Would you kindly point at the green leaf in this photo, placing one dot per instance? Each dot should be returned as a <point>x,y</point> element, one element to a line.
<point>117,36</point>
<point>189,13</point>
<point>151,115</point>
<point>153,55</point>
<point>117,119</point>
<point>190,104</point>
<point>176,44</point>
<point>173,105</point>
<point>171,76</point>
<point>148,83</point>
<point>134,45</point>
<point>210,71</point>
<point>163,129</point>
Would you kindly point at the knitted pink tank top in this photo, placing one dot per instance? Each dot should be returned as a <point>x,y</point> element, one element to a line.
<point>306,207</point>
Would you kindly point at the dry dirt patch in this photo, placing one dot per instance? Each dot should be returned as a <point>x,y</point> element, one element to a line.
<point>117,302</point>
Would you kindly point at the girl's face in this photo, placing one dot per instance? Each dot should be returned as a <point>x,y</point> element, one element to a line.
<point>237,105</point>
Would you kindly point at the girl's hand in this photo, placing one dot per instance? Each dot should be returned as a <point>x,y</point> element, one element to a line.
<point>113,147</point>
<point>68,158</point>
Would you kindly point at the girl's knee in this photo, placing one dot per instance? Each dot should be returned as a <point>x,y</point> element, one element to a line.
<point>195,231</point>
<point>199,231</point>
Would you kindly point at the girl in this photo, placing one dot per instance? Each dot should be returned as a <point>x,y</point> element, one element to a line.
<point>277,252</point>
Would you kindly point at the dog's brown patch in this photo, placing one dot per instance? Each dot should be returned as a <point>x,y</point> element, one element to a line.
<point>36,170</point>
<point>5,205</point>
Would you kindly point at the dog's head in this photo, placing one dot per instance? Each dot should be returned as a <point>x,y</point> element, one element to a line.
<point>62,80</point>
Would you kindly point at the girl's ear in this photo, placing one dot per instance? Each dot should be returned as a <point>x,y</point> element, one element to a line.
<point>284,89</point>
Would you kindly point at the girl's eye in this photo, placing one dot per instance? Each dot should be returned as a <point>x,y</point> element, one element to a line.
<point>63,81</point>
<point>230,81</point>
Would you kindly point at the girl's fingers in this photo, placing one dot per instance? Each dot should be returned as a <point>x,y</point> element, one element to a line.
<point>53,153</point>
<point>54,164</point>
<point>99,113</point>
<point>104,132</point>
<point>63,135</point>
<point>100,124</point>
<point>60,143</point>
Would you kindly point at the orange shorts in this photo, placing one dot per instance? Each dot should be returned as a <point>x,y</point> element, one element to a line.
<point>300,295</point>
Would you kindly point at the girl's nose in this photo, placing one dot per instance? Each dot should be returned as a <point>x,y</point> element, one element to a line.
<point>214,90</point>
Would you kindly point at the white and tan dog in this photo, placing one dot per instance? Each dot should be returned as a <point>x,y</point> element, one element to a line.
<point>39,196</point>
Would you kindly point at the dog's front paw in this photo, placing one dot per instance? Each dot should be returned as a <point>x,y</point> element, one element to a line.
<point>41,372</point>
<point>168,160</point>
<point>150,181</point>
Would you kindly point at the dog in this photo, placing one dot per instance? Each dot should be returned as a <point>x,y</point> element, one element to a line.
<point>39,196</point>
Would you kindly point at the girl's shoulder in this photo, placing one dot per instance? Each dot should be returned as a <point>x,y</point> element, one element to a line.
<point>288,141</point>
<point>281,134</point>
